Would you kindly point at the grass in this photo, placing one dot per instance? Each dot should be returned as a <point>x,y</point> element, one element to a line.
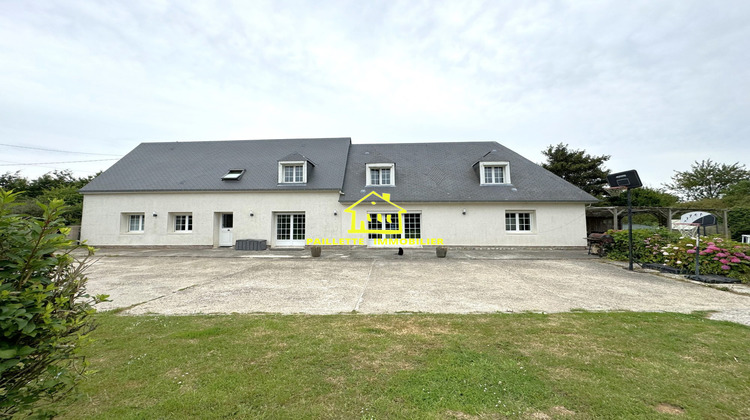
<point>574,365</point>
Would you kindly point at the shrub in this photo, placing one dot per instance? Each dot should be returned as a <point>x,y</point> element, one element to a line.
<point>643,242</point>
<point>717,256</point>
<point>739,222</point>
<point>45,314</point>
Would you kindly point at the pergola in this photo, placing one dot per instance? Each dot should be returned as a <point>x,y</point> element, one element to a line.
<point>664,214</point>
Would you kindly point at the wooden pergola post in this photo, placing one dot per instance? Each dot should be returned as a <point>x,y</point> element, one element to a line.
<point>726,224</point>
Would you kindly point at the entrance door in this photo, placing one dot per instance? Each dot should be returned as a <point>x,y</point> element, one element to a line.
<point>225,230</point>
<point>290,229</point>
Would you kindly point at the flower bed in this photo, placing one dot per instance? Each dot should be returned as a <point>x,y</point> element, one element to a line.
<point>717,255</point>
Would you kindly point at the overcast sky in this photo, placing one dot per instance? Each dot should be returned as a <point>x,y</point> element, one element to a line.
<point>655,84</point>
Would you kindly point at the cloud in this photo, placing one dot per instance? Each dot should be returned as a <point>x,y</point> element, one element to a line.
<point>654,84</point>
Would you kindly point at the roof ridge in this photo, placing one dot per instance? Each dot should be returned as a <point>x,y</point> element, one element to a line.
<point>244,140</point>
<point>427,143</point>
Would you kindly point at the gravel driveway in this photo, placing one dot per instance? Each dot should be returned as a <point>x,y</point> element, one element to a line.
<point>376,281</point>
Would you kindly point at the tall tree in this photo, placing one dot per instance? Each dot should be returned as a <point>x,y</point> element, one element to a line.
<point>577,167</point>
<point>738,195</point>
<point>57,184</point>
<point>53,180</point>
<point>643,197</point>
<point>707,179</point>
<point>13,181</point>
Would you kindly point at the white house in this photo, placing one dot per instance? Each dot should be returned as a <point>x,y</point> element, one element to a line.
<point>300,192</point>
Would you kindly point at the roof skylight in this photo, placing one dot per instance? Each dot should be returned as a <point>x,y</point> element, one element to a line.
<point>233,175</point>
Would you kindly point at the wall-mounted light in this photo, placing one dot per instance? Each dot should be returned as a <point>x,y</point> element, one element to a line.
<point>154,214</point>
<point>335,213</point>
<point>251,213</point>
<point>463,212</point>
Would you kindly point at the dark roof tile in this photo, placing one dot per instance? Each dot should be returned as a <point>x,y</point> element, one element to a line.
<point>199,166</point>
<point>445,172</point>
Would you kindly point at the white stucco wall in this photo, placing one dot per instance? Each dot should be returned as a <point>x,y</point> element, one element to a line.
<point>554,224</point>
<point>103,220</point>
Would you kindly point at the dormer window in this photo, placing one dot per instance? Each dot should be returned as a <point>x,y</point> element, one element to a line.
<point>494,173</point>
<point>233,175</point>
<point>380,174</point>
<point>292,172</point>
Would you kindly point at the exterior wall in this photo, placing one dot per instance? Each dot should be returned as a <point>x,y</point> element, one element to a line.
<point>103,223</point>
<point>553,224</point>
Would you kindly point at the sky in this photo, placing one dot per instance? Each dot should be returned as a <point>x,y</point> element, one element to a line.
<point>656,85</point>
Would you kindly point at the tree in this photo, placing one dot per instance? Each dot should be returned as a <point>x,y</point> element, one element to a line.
<point>577,167</point>
<point>643,197</point>
<point>53,180</point>
<point>738,195</point>
<point>56,184</point>
<point>13,181</point>
<point>707,179</point>
<point>739,222</point>
<point>45,313</point>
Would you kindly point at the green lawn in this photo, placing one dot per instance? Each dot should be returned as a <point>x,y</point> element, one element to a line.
<point>574,365</point>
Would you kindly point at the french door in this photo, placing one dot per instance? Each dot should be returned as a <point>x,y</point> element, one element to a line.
<point>290,229</point>
<point>382,221</point>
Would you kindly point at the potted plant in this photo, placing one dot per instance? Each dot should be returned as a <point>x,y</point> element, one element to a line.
<point>441,251</point>
<point>315,251</point>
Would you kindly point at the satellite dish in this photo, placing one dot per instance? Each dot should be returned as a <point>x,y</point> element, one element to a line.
<point>701,217</point>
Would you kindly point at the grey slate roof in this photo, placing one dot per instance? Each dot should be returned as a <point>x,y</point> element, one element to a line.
<point>424,172</point>
<point>199,166</point>
<point>444,172</point>
<point>296,157</point>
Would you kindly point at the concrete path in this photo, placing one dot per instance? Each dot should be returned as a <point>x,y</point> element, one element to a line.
<point>179,281</point>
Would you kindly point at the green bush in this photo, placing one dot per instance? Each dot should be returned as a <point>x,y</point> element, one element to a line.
<point>717,256</point>
<point>643,239</point>
<point>739,222</point>
<point>45,313</point>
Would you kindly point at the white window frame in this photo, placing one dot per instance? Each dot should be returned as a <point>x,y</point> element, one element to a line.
<point>125,222</point>
<point>297,221</point>
<point>517,224</point>
<point>415,225</point>
<point>506,172</point>
<point>188,222</point>
<point>140,227</point>
<point>377,166</point>
<point>283,165</point>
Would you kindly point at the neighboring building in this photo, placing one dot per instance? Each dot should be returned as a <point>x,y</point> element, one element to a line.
<point>293,192</point>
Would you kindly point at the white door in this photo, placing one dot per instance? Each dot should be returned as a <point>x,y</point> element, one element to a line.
<point>225,230</point>
<point>290,229</point>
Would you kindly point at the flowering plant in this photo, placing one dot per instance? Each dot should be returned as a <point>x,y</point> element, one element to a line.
<point>717,255</point>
